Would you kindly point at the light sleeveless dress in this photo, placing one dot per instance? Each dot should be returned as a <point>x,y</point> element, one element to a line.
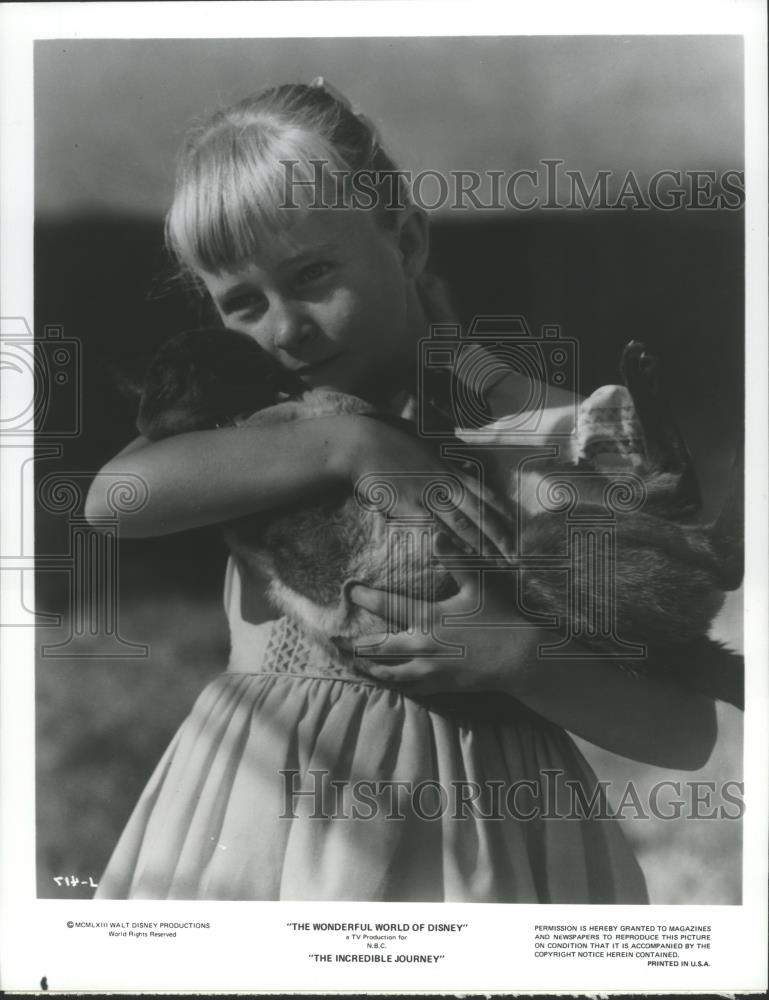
<point>241,805</point>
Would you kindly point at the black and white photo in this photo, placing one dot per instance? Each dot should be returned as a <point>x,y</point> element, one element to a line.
<point>386,546</point>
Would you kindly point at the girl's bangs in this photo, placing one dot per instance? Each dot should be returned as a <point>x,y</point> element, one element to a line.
<point>242,188</point>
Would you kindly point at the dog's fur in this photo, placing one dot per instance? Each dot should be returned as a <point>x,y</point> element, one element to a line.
<point>670,574</point>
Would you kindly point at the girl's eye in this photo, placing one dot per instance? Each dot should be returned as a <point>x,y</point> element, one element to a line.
<point>250,303</point>
<point>314,272</point>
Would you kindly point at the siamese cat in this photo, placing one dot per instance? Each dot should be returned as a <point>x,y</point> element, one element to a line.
<point>670,573</point>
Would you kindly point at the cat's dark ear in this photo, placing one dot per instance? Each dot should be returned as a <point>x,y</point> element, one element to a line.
<point>123,378</point>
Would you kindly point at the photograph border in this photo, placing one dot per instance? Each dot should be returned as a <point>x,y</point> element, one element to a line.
<point>36,935</point>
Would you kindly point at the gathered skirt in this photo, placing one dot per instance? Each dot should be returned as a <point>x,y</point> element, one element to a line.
<point>302,779</point>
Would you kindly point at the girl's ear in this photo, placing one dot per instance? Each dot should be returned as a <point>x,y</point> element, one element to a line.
<point>414,241</point>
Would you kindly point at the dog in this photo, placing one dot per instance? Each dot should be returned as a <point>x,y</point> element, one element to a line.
<point>671,573</point>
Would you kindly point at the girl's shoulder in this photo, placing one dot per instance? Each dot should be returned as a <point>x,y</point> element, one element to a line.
<point>522,408</point>
<point>602,428</point>
<point>528,407</point>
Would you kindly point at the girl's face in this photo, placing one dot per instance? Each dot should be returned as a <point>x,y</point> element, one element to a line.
<point>329,301</point>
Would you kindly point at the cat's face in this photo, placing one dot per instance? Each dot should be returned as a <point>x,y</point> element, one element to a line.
<point>209,378</point>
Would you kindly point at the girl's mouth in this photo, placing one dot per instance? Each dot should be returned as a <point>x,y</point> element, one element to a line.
<point>316,366</point>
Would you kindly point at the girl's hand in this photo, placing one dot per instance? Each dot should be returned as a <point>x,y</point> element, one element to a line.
<point>382,455</point>
<point>491,652</point>
<point>646,717</point>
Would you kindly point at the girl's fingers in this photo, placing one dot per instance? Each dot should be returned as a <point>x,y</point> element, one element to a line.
<point>475,519</point>
<point>397,609</point>
<point>395,673</point>
<point>466,579</point>
<point>463,527</point>
<point>402,646</point>
<point>470,596</point>
<point>464,520</point>
<point>418,678</point>
<point>409,672</point>
<point>457,511</point>
<point>476,515</point>
<point>497,526</point>
<point>375,601</point>
<point>487,496</point>
<point>406,612</point>
<point>499,529</point>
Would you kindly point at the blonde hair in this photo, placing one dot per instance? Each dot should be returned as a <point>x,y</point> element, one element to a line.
<point>231,174</point>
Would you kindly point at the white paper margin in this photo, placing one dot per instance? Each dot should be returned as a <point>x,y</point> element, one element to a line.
<point>249,947</point>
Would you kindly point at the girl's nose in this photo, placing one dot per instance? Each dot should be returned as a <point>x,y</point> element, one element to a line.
<point>291,328</point>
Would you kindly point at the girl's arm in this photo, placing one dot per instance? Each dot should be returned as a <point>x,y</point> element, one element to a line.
<point>204,477</point>
<point>648,717</point>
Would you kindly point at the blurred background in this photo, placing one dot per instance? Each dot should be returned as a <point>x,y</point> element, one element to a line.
<point>109,117</point>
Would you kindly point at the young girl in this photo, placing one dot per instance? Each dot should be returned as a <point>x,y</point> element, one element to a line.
<point>297,775</point>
